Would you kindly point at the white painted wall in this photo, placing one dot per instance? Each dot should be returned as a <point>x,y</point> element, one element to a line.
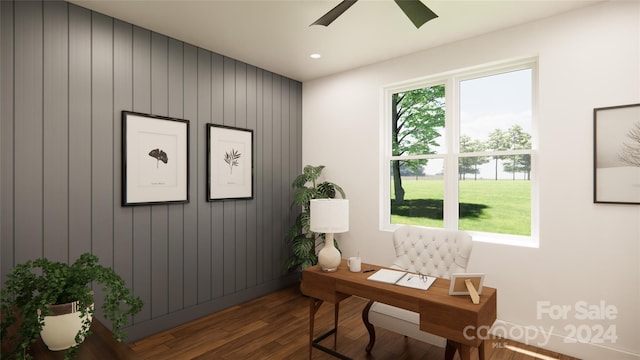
<point>588,252</point>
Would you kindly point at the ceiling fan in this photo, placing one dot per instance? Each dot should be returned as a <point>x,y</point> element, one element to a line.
<point>416,11</point>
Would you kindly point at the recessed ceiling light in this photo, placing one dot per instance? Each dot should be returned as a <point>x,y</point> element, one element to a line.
<point>315,56</point>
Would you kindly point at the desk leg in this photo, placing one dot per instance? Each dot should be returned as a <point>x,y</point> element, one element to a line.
<point>336,310</point>
<point>314,305</point>
<point>482,351</point>
<point>450,350</point>
<point>452,347</point>
<point>465,352</point>
<point>369,326</point>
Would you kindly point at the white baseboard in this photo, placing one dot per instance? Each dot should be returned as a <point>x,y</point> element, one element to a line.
<point>557,343</point>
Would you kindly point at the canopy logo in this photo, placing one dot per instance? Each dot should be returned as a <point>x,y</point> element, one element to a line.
<point>589,325</point>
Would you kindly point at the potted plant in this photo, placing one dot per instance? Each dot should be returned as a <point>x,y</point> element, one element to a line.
<point>303,241</point>
<point>36,290</point>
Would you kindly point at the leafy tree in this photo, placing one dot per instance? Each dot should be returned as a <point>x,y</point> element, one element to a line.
<point>518,139</point>
<point>469,165</point>
<point>498,141</point>
<point>630,153</point>
<point>417,117</point>
<point>518,164</point>
<point>411,171</point>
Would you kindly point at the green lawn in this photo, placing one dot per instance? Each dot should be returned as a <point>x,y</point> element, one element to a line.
<point>501,206</point>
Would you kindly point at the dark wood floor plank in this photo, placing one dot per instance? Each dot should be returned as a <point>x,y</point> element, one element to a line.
<point>276,327</point>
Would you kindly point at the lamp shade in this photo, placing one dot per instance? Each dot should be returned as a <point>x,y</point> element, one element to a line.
<point>329,215</point>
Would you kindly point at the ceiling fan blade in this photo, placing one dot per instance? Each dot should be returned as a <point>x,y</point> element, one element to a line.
<point>416,11</point>
<point>333,14</point>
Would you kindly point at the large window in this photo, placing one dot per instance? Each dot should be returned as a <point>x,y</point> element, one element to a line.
<point>459,153</point>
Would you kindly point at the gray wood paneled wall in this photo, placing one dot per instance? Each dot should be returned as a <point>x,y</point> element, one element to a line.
<point>67,73</point>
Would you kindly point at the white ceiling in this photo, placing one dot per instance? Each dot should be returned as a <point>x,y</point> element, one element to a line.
<point>276,36</point>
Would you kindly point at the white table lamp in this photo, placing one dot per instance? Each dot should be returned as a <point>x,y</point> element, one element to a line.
<point>329,216</point>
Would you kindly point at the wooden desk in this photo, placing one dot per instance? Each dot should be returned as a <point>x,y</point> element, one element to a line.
<point>99,345</point>
<point>452,317</point>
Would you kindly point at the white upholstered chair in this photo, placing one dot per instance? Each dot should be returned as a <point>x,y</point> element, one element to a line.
<point>433,252</point>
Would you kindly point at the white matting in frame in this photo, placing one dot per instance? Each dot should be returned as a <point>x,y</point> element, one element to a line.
<point>155,159</point>
<point>229,163</point>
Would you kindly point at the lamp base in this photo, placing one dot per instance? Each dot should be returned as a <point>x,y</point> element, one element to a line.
<point>329,257</point>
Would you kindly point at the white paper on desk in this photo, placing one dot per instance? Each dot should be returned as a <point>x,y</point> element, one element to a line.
<point>387,276</point>
<point>414,281</point>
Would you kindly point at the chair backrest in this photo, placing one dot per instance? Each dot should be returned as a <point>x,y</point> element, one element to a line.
<point>434,252</point>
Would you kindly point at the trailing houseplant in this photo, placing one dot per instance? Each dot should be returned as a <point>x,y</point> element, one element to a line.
<point>33,286</point>
<point>303,241</point>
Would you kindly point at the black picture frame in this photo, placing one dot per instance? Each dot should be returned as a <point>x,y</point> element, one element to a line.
<point>616,154</point>
<point>155,159</point>
<point>229,163</point>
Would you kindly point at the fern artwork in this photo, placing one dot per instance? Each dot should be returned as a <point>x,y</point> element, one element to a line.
<point>231,158</point>
<point>229,163</point>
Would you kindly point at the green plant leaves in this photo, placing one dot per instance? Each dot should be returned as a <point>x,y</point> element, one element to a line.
<point>299,237</point>
<point>312,172</point>
<point>34,285</point>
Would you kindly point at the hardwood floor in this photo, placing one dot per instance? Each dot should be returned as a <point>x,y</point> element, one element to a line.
<point>276,326</point>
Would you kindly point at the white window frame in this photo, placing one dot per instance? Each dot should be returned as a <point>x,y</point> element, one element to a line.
<point>451,80</point>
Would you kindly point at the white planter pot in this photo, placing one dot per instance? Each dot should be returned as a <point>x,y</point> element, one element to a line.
<point>60,328</point>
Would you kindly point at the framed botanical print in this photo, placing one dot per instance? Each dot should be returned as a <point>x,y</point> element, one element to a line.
<point>229,163</point>
<point>155,159</point>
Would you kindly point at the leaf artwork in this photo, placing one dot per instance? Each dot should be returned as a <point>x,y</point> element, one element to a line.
<point>159,155</point>
<point>231,158</point>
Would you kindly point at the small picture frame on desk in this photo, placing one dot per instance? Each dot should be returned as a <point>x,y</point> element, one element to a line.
<point>458,286</point>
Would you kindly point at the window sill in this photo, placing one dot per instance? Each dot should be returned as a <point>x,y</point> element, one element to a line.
<point>505,239</point>
<point>490,238</point>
